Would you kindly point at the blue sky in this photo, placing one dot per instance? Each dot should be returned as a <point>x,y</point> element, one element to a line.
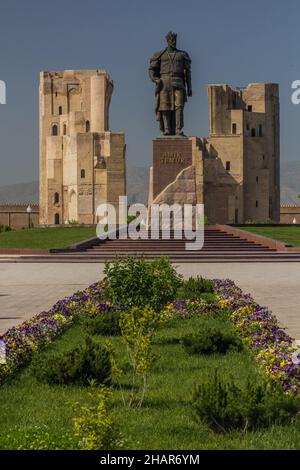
<point>236,42</point>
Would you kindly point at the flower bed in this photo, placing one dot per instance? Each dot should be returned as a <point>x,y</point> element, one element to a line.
<point>259,329</point>
<point>271,345</point>
<point>33,334</point>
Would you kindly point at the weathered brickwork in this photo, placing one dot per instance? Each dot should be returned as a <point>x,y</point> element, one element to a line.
<point>82,163</point>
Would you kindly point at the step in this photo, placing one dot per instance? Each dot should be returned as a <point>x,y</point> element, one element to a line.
<point>172,249</point>
<point>177,254</point>
<point>172,243</point>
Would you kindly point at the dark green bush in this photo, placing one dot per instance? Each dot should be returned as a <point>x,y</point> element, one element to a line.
<point>5,228</point>
<point>212,337</point>
<point>194,288</point>
<point>78,366</point>
<point>137,282</point>
<point>225,406</point>
<point>106,324</point>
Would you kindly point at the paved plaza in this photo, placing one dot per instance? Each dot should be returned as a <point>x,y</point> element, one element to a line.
<point>29,288</point>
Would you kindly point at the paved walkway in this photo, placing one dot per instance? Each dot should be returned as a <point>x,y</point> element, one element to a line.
<point>26,289</point>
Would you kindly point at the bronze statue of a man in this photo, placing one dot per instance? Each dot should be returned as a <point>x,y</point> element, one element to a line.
<point>170,70</point>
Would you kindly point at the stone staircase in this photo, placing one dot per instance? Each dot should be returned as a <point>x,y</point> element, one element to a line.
<point>219,247</point>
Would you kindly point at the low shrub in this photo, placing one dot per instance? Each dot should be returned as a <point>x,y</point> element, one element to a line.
<point>139,326</point>
<point>224,405</point>
<point>212,337</point>
<point>106,324</point>
<point>195,287</point>
<point>95,427</point>
<point>137,282</point>
<point>78,366</point>
<point>5,228</point>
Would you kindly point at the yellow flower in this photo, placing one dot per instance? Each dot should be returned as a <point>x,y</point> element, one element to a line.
<point>223,303</point>
<point>244,310</point>
<point>58,316</point>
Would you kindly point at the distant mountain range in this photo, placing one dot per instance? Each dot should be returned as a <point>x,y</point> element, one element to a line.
<point>138,181</point>
<point>137,188</point>
<point>23,193</point>
<point>137,184</point>
<point>290,182</point>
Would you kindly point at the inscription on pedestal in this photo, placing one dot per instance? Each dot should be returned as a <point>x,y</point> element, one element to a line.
<point>170,157</point>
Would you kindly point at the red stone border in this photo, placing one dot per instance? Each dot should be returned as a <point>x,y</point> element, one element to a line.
<point>24,251</point>
<point>258,239</point>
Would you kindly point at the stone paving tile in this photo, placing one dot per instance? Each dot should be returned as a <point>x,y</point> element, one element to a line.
<point>27,289</point>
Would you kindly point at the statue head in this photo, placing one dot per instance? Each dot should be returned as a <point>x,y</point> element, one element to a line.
<point>171,38</point>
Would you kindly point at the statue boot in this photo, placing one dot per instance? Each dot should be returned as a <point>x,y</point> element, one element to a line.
<point>167,123</point>
<point>179,120</point>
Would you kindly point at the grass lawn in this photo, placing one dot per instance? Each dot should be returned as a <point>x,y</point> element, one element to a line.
<point>60,237</point>
<point>289,235</point>
<point>37,415</point>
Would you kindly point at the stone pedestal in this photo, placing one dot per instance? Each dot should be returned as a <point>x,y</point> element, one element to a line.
<point>170,156</point>
<point>177,173</point>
